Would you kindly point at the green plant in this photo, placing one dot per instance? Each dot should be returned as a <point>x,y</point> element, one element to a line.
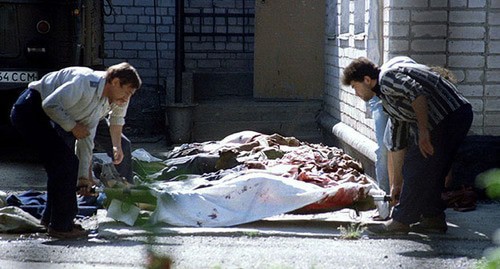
<point>353,231</point>
<point>251,233</point>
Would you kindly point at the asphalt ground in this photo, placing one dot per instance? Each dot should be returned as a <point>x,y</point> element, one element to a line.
<point>286,241</point>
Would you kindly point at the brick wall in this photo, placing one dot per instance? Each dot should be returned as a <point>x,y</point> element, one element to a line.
<point>219,35</point>
<point>132,33</point>
<point>463,36</point>
<point>342,45</point>
<point>460,35</point>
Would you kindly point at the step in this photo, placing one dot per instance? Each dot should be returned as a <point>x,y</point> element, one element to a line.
<point>216,119</point>
<point>242,111</point>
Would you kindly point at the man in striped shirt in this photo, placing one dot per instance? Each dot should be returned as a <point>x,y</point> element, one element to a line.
<point>428,120</point>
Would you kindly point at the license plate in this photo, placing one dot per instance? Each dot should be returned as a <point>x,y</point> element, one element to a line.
<point>18,76</point>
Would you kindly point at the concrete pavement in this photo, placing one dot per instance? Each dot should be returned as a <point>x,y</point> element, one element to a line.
<point>286,241</point>
<point>479,224</point>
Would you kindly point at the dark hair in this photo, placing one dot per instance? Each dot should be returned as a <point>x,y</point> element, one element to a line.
<point>358,69</point>
<point>126,73</point>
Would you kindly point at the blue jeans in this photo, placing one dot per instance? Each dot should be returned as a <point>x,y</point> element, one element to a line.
<point>58,158</point>
<point>380,118</point>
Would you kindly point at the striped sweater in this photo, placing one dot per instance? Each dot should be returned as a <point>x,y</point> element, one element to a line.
<point>401,81</point>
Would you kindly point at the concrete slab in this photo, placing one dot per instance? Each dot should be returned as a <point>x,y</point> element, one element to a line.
<point>480,224</point>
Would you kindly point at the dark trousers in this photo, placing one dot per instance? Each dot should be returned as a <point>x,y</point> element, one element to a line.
<point>56,149</point>
<point>423,178</point>
<point>59,159</point>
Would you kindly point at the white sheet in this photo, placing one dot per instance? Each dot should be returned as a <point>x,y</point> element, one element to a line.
<point>235,199</point>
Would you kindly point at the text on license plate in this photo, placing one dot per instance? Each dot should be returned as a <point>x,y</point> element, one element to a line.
<point>18,76</point>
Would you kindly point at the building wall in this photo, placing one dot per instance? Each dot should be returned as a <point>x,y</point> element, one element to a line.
<point>463,36</point>
<point>346,39</point>
<point>143,34</point>
<point>221,35</point>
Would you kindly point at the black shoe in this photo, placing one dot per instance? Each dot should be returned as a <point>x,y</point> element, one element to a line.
<point>390,227</point>
<point>435,224</point>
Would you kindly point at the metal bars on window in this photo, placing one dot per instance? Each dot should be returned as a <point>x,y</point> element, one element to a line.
<point>219,29</point>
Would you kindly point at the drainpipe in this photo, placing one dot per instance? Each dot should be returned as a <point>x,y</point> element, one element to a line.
<point>179,49</point>
<point>375,44</point>
<point>380,20</point>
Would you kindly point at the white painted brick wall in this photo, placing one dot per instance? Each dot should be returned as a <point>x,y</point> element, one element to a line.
<point>426,16</point>
<point>422,31</point>
<point>468,16</point>
<point>462,35</point>
<point>493,77</point>
<point>428,45</point>
<point>458,3</point>
<point>470,76</point>
<point>438,3</point>
<point>467,32</point>
<point>495,4</point>
<point>466,46</point>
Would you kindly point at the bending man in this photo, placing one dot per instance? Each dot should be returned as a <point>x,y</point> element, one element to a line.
<point>428,120</point>
<point>70,103</point>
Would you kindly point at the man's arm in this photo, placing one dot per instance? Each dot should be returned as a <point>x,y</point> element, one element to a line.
<point>424,138</point>
<point>84,149</point>
<point>395,160</point>
<point>116,139</point>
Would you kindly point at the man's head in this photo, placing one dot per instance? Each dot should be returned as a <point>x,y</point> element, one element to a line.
<point>122,80</point>
<point>362,75</point>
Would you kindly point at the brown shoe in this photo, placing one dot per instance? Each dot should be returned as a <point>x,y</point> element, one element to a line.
<point>75,232</point>
<point>45,224</point>
<point>435,224</point>
<point>390,227</point>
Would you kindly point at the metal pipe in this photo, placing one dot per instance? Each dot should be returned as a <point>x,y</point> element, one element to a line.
<point>179,49</point>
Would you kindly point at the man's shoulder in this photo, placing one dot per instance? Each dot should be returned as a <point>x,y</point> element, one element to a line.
<point>85,74</point>
<point>402,64</point>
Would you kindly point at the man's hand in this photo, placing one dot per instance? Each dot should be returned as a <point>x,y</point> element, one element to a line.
<point>84,186</point>
<point>116,139</point>
<point>424,143</point>
<point>80,131</point>
<point>117,155</point>
<point>395,194</point>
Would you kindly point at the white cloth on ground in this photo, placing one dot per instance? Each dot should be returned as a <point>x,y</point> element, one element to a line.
<point>235,199</point>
